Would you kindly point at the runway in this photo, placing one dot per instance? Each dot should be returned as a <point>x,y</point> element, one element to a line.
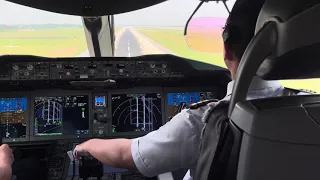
<point>128,45</point>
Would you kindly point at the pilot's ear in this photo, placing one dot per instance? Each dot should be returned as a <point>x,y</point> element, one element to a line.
<point>227,52</point>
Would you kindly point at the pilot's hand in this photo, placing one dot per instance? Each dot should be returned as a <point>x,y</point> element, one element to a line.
<point>6,155</point>
<point>80,148</point>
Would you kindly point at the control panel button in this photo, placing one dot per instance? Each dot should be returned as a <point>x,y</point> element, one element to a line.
<point>30,67</point>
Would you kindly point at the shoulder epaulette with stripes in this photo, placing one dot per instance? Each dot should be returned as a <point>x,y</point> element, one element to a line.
<point>201,103</point>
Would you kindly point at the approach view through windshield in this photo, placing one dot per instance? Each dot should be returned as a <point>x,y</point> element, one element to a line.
<point>154,30</point>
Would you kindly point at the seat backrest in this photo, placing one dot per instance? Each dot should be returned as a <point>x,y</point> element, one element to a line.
<point>221,142</point>
<point>280,138</point>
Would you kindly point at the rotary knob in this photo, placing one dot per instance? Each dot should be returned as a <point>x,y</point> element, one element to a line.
<point>15,67</point>
<point>101,132</point>
<point>30,67</point>
<point>152,65</point>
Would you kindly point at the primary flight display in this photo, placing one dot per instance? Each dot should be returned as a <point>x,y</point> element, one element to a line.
<point>13,115</point>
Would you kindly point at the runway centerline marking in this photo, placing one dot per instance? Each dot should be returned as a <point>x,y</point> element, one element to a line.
<point>129,53</point>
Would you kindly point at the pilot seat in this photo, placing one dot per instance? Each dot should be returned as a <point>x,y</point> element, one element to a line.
<point>276,138</point>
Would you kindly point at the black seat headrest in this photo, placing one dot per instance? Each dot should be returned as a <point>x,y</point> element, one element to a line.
<point>297,49</point>
<point>286,45</point>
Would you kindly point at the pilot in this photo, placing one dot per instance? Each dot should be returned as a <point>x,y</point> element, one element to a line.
<point>6,160</point>
<point>175,145</point>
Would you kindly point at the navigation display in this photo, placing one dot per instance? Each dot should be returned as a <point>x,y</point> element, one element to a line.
<point>180,100</point>
<point>136,112</point>
<point>13,114</point>
<point>61,115</point>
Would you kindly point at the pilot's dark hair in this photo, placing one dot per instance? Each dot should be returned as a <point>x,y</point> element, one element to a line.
<point>240,25</point>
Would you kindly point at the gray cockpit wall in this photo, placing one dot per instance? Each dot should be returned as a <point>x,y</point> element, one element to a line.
<point>280,135</point>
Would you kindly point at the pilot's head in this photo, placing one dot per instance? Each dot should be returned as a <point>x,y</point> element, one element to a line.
<point>239,30</point>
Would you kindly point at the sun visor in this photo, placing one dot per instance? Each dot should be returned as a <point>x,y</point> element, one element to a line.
<point>88,7</point>
<point>296,53</point>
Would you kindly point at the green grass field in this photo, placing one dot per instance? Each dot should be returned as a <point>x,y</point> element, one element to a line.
<point>50,42</point>
<point>116,29</point>
<point>174,40</point>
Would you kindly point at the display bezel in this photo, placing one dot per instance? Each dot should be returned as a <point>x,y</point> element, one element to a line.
<point>185,90</point>
<point>158,90</point>
<point>19,95</point>
<point>59,93</point>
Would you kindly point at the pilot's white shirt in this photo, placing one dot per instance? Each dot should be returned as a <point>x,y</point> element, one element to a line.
<point>175,145</point>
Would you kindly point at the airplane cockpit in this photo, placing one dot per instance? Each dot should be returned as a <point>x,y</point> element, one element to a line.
<point>72,71</point>
<point>66,79</point>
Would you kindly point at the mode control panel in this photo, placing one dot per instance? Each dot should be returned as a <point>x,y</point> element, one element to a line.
<point>64,70</point>
<point>100,115</point>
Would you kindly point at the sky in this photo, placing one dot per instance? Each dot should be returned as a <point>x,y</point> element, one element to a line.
<point>169,13</point>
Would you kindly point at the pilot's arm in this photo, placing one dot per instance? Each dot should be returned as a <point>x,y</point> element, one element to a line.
<point>6,160</point>
<point>175,145</point>
<point>114,152</point>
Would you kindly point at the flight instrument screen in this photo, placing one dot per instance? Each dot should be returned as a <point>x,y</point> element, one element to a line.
<point>100,101</point>
<point>13,114</point>
<point>178,101</point>
<point>61,115</point>
<point>136,112</point>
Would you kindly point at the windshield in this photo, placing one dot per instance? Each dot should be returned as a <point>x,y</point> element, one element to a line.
<point>25,30</point>
<point>153,30</point>
<point>160,29</point>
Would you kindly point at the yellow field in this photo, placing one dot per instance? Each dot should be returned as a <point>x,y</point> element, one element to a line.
<point>174,40</point>
<point>53,42</point>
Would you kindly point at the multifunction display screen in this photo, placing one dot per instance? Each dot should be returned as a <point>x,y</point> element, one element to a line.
<point>61,115</point>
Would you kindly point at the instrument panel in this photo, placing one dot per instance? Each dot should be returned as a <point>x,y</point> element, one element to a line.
<point>51,104</point>
<point>48,105</point>
<point>59,114</point>
<point>72,98</point>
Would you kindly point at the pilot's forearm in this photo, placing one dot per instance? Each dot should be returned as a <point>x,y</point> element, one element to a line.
<point>5,172</point>
<point>113,152</point>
